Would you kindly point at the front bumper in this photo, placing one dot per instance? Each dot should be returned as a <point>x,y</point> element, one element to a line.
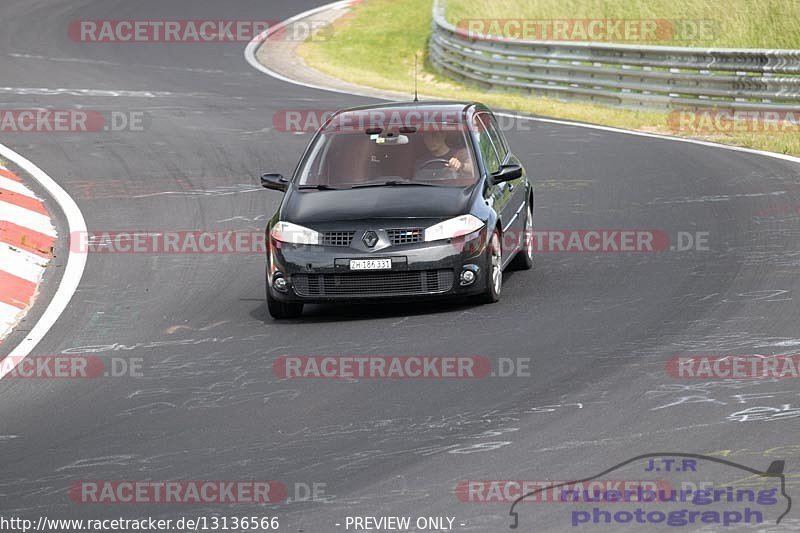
<point>318,274</point>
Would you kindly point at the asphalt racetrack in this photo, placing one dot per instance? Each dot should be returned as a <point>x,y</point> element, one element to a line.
<point>596,329</point>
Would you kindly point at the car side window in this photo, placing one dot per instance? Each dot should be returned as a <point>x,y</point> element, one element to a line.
<point>486,145</point>
<point>498,138</point>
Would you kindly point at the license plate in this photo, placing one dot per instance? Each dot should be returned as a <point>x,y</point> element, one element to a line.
<point>370,264</point>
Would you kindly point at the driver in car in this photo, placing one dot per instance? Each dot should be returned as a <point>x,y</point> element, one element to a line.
<point>439,150</point>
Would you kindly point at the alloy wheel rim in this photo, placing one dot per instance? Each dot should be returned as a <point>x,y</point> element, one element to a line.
<point>528,244</point>
<point>497,271</point>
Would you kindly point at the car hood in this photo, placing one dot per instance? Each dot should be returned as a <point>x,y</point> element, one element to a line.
<point>307,207</point>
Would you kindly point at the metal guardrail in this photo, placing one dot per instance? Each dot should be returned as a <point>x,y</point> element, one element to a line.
<point>660,77</point>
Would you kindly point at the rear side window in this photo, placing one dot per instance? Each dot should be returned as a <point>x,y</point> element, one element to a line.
<point>486,145</point>
<point>497,137</point>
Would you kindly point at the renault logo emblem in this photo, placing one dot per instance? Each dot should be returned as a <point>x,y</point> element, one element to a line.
<point>370,238</point>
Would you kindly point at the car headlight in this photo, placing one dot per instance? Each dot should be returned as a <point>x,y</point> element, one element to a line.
<point>455,227</point>
<point>294,234</point>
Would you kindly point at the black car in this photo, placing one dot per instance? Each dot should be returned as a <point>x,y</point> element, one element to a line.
<point>399,201</point>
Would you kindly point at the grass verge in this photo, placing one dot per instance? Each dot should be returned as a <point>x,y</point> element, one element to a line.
<point>374,45</point>
<point>702,23</point>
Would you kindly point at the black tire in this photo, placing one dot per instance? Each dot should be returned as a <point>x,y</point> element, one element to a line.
<point>494,262</point>
<point>524,258</point>
<point>280,310</point>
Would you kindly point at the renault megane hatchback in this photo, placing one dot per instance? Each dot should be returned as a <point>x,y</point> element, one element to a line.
<point>400,201</point>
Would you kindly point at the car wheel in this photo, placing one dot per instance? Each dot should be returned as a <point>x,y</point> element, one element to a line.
<point>524,258</point>
<point>280,310</point>
<point>494,264</point>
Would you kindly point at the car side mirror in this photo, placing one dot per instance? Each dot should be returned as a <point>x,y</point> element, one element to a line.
<point>275,182</point>
<point>507,173</point>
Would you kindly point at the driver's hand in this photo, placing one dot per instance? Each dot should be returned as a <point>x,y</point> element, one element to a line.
<point>454,163</point>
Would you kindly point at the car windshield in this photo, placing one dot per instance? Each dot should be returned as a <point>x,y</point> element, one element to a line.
<point>425,156</point>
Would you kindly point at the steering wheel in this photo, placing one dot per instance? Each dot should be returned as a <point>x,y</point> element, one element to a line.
<point>443,162</point>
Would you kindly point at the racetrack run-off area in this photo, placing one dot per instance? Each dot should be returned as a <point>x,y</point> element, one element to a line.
<point>27,239</point>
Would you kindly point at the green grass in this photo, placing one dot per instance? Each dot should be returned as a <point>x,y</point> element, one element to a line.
<point>374,45</point>
<point>733,23</point>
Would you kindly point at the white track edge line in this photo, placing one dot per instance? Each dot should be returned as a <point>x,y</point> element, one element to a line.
<point>253,46</point>
<point>73,272</point>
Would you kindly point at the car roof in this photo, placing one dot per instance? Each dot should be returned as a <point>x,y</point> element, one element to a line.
<point>430,111</point>
<point>434,105</point>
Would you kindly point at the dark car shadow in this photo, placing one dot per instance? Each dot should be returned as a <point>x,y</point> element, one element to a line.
<point>325,313</point>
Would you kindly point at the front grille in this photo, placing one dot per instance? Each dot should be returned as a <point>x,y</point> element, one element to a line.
<point>355,284</point>
<point>337,238</point>
<point>405,236</point>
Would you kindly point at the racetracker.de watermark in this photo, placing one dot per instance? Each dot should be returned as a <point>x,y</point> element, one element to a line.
<point>551,491</point>
<point>256,242</point>
<point>605,30</point>
<point>195,31</point>
<point>734,366</point>
<point>168,242</point>
<point>69,367</point>
<point>597,241</point>
<point>729,121</point>
<point>72,121</point>
<point>386,367</point>
<point>304,120</point>
<point>176,492</point>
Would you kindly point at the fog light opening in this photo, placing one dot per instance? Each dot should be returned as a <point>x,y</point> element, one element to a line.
<point>469,275</point>
<point>279,283</point>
